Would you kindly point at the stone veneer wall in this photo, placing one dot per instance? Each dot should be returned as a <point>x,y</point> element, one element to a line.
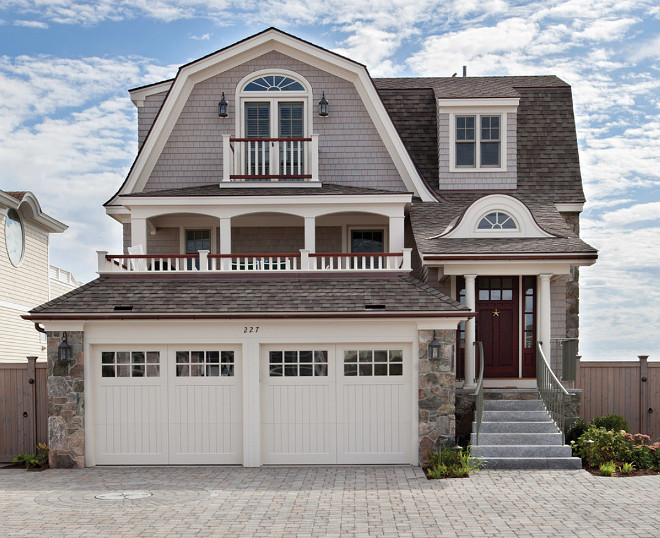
<point>436,393</point>
<point>66,404</point>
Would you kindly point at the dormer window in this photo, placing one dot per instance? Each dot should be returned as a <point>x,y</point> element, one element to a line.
<point>497,220</point>
<point>476,132</point>
<point>478,146</point>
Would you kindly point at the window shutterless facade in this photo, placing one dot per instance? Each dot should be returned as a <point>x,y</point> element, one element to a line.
<point>478,142</point>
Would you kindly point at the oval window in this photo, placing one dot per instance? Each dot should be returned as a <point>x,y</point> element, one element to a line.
<point>14,236</point>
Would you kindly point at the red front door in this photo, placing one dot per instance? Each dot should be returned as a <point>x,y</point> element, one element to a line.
<point>497,325</point>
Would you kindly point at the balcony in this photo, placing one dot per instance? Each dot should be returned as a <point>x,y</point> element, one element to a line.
<point>270,160</point>
<point>304,261</point>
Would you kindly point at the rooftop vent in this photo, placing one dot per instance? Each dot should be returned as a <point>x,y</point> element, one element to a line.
<point>123,308</point>
<point>374,307</point>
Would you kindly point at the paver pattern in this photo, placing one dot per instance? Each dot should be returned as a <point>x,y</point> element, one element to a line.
<point>324,501</point>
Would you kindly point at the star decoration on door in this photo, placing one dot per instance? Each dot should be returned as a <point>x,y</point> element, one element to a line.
<point>496,313</point>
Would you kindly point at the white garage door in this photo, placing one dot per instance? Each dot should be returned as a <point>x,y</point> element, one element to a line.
<point>174,404</point>
<point>336,404</point>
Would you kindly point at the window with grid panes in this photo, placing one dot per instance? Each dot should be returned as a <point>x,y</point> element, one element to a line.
<point>373,362</point>
<point>305,363</point>
<point>130,364</point>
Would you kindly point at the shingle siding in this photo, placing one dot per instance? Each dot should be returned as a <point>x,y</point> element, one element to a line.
<point>476,180</point>
<point>351,151</point>
<point>147,114</point>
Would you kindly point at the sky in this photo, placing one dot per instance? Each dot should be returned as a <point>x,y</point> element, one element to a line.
<point>68,130</point>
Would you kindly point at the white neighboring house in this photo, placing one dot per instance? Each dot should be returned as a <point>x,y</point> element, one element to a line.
<point>26,277</point>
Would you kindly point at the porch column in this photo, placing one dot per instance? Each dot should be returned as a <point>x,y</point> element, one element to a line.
<point>470,302</point>
<point>545,313</point>
<point>225,235</point>
<point>396,234</point>
<point>310,234</point>
<point>139,233</point>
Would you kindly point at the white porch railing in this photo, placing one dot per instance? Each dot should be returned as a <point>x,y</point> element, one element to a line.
<point>270,159</point>
<point>254,263</point>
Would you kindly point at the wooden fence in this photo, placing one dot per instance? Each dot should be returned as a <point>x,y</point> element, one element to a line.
<point>23,407</point>
<point>627,388</point>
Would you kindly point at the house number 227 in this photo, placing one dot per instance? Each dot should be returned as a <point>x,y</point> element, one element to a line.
<point>250,330</point>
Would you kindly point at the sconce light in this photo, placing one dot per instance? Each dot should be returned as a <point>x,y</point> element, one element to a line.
<point>434,349</point>
<point>222,106</point>
<point>64,351</point>
<point>323,106</point>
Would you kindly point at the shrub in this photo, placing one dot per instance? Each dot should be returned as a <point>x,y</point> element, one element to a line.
<point>608,469</point>
<point>575,430</point>
<point>32,460</point>
<point>607,446</point>
<point>611,422</point>
<point>450,463</point>
<point>627,468</point>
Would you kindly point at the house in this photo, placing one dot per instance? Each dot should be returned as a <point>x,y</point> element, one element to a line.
<point>25,274</point>
<point>310,254</point>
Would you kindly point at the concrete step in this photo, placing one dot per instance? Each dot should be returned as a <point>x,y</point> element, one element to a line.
<point>515,416</point>
<point>513,405</point>
<point>521,451</point>
<point>516,439</point>
<point>517,427</point>
<point>532,463</point>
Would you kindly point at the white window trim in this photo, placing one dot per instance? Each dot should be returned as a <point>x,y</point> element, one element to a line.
<point>478,108</point>
<point>243,97</point>
<point>519,212</point>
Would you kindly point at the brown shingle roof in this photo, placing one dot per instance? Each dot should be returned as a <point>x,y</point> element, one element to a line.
<point>431,219</point>
<point>222,297</point>
<point>548,161</point>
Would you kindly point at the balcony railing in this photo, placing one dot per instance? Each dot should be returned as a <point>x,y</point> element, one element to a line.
<point>270,159</point>
<point>255,263</point>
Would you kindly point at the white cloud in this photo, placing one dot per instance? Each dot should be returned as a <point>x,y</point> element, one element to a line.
<point>204,37</point>
<point>31,24</point>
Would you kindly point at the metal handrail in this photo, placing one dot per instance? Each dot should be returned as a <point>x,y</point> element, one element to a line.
<point>479,391</point>
<point>554,395</point>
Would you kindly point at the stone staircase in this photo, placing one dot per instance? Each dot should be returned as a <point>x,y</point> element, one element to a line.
<point>519,434</point>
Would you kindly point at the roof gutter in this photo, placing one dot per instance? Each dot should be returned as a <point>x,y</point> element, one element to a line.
<point>36,317</point>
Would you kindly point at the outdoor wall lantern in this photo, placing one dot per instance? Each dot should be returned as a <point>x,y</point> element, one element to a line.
<point>64,351</point>
<point>434,349</point>
<point>222,106</point>
<point>323,106</point>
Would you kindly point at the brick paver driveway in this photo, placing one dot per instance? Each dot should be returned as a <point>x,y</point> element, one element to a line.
<point>322,501</point>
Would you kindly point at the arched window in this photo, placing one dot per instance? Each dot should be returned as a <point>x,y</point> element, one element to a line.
<point>274,83</point>
<point>497,220</point>
<point>275,125</point>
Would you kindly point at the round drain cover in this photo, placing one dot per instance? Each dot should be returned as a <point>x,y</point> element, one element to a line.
<point>124,495</point>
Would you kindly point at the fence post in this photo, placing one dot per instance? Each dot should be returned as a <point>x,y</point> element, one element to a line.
<point>643,394</point>
<point>30,402</point>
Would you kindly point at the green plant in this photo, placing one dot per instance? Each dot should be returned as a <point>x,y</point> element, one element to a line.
<point>451,463</point>
<point>607,446</point>
<point>611,422</point>
<point>607,469</point>
<point>29,460</point>
<point>575,430</point>
<point>627,468</point>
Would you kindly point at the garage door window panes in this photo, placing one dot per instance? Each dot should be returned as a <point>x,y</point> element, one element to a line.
<point>130,364</point>
<point>373,362</point>
<point>298,363</point>
<point>204,363</point>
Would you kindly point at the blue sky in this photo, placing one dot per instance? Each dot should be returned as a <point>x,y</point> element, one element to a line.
<point>68,131</point>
